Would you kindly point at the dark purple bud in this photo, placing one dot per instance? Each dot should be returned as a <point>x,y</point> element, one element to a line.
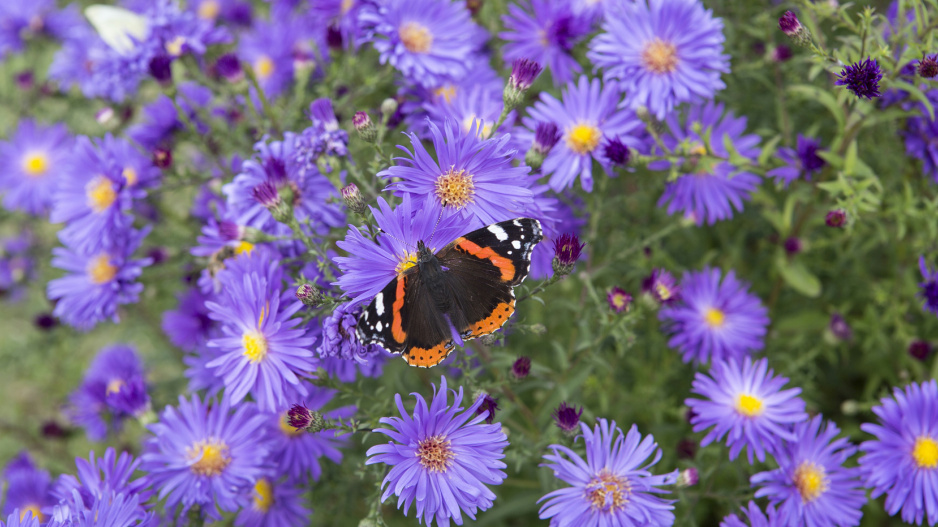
<point>523,74</point>
<point>686,449</point>
<point>45,321</point>
<point>521,368</point>
<point>567,250</point>
<point>840,328</point>
<point>299,416</point>
<point>619,300</point>
<point>309,295</point>
<point>229,67</point>
<point>488,404</point>
<point>240,14</point>
<point>53,430</point>
<point>861,78</point>
<point>928,67</point>
<point>836,218</point>
<point>546,135</point>
<point>567,417</point>
<point>616,152</point>
<point>781,53</point>
<point>161,69</point>
<point>276,170</point>
<point>334,37</point>
<point>158,255</point>
<point>920,349</point>
<point>266,194</point>
<point>162,157</point>
<point>793,245</point>
<point>789,24</point>
<point>25,80</point>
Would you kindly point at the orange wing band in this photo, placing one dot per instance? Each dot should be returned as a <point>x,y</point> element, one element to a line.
<point>396,330</point>
<point>425,358</point>
<point>503,264</point>
<point>494,321</point>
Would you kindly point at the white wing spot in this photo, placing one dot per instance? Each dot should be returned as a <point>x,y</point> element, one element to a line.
<point>498,232</point>
<point>379,326</point>
<point>379,304</point>
<point>516,244</point>
<point>516,223</point>
<point>509,252</point>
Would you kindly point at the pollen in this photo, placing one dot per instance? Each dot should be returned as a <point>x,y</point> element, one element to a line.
<point>264,66</point>
<point>35,164</point>
<point>101,193</point>
<point>285,427</point>
<point>447,92</point>
<point>407,261</point>
<point>925,452</point>
<point>174,46</point>
<point>620,301</point>
<point>209,9</point>
<point>255,346</point>
<point>583,138</point>
<point>263,495</point>
<point>130,176</point>
<point>100,269</point>
<point>209,457</point>
<point>347,6</point>
<point>435,454</point>
<point>33,508</point>
<point>608,492</point>
<point>244,247</point>
<point>664,292</point>
<point>714,317</point>
<point>114,386</point>
<point>748,405</point>
<point>659,56</point>
<point>455,188</point>
<point>811,481</point>
<point>415,37</point>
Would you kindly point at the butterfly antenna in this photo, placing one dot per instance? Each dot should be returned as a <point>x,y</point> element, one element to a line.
<point>438,219</point>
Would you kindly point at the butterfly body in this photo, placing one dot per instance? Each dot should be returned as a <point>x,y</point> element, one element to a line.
<point>466,287</point>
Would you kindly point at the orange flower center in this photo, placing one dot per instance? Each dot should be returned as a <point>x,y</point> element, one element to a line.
<point>660,56</point>
<point>415,37</point>
<point>211,457</point>
<point>435,454</point>
<point>608,492</point>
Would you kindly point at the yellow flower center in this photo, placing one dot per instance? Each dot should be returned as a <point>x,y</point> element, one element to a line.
<point>263,495</point>
<point>925,452</point>
<point>608,492</point>
<point>35,164</point>
<point>130,176</point>
<point>435,454</point>
<point>100,270</point>
<point>415,37</point>
<point>447,92</point>
<point>286,428</point>
<point>714,317</point>
<point>210,456</point>
<point>483,130</point>
<point>347,5</point>
<point>583,138</point>
<point>660,56</point>
<point>409,260</point>
<point>748,405</point>
<point>264,66</point>
<point>664,292</point>
<point>244,247</point>
<point>114,386</point>
<point>455,188</point>
<point>209,9</point>
<point>255,346</point>
<point>101,193</point>
<point>618,300</point>
<point>811,481</point>
<point>174,46</point>
<point>33,508</point>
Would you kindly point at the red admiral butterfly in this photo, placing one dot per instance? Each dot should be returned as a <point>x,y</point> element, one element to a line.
<point>469,283</point>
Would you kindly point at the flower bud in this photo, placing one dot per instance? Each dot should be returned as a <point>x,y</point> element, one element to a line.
<point>365,127</point>
<point>836,218</point>
<point>567,418</point>
<point>616,152</point>
<point>920,349</point>
<point>791,26</point>
<point>687,478</point>
<point>388,107</point>
<point>619,300</point>
<point>309,294</point>
<point>489,404</point>
<point>521,368</point>
<point>567,250</point>
<point>523,74</point>
<point>162,157</point>
<point>302,418</point>
<point>928,66</point>
<point>161,69</point>
<point>229,68</point>
<point>353,199</point>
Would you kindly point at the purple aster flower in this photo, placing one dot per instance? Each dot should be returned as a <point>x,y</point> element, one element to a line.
<point>342,16</point>
<point>715,187</point>
<point>371,265</point>
<point>98,478</point>
<point>663,53</point>
<point>276,163</point>
<point>476,109</point>
<point>33,160</point>
<point>189,326</point>
<point>17,267</point>
<point>233,12</point>
<point>115,509</point>
<point>114,389</point>
<point>801,161</point>
<point>811,486</point>
<point>755,517</point>
<point>19,518</point>
<point>619,299</point>
<point>469,175</point>
<point>204,454</point>
<point>339,340</point>
<point>746,404</point>
<point>836,218</point>
<point>544,31</point>
<point>96,282</point>
<point>928,67</point>
<point>567,417</point>
<point>929,287</point>
<point>567,249</point>
<point>902,460</point>
<point>162,118</point>
<point>23,19</point>
<point>262,350</point>
<point>716,319</point>
<point>557,217</point>
<point>275,502</point>
<point>441,458</point>
<point>662,286</point>
<point>269,48</point>
<point>428,41</point>
<point>789,24</point>
<point>611,487</point>
<point>296,452</point>
<point>586,113</point>
<point>862,78</point>
<point>323,138</point>
<point>28,488</point>
<point>921,135</point>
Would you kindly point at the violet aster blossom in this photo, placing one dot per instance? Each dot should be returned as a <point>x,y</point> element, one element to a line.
<point>19,518</point>
<point>428,41</point>
<point>32,162</point>
<point>343,15</point>
<point>115,509</point>
<point>114,389</point>
<point>189,326</point>
<point>711,192</point>
<point>263,352</point>
<point>802,161</point>
<point>586,113</point>
<point>469,175</point>
<point>902,460</point>
<point>921,135</point>
<point>372,265</point>
<point>442,457</point>
<point>269,49</point>
<point>23,19</point>
<point>929,291</point>
<point>339,340</point>
<point>613,486</point>
<point>755,517</point>
<point>205,455</point>
<point>275,502</point>
<point>98,477</point>
<point>544,31</point>
<point>811,485</point>
<point>28,488</point>
<point>716,318</point>
<point>96,282</point>
<point>162,117</point>
<point>662,52</point>
<point>861,78</point>
<point>746,404</point>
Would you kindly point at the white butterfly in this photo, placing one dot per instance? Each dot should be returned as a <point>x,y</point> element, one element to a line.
<point>117,26</point>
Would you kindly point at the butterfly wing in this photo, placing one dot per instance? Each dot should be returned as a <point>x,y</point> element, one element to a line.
<point>481,270</point>
<point>117,25</point>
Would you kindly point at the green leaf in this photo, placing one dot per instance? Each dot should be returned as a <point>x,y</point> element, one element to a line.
<point>798,276</point>
<point>850,161</point>
<point>824,97</point>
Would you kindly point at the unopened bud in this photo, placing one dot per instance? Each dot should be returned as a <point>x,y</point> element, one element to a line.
<point>353,199</point>
<point>836,218</point>
<point>302,418</point>
<point>162,157</point>
<point>309,294</point>
<point>365,128</point>
<point>105,116</point>
<point>687,478</point>
<point>521,368</point>
<point>791,26</point>
<point>928,67</point>
<point>388,107</point>
<point>567,250</point>
<point>523,74</point>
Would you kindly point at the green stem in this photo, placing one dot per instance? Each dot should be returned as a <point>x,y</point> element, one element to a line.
<point>265,104</point>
